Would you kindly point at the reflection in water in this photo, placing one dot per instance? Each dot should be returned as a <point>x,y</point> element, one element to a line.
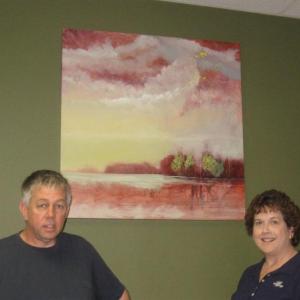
<point>155,196</point>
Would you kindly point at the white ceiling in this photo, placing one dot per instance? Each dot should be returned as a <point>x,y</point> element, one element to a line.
<point>285,8</point>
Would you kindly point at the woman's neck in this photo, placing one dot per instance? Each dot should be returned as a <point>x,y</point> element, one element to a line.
<point>274,262</point>
<point>280,259</point>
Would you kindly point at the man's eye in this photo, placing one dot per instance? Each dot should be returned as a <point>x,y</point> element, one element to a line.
<point>42,205</point>
<point>60,206</point>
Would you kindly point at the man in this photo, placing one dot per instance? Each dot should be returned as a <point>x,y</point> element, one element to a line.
<point>43,263</point>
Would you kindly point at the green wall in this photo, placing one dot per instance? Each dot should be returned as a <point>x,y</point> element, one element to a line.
<point>157,260</point>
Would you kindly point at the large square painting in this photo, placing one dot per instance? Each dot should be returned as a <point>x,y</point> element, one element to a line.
<point>151,126</point>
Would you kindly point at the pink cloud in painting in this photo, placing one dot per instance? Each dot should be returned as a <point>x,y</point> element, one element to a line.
<point>135,60</point>
<point>85,39</point>
<point>180,74</point>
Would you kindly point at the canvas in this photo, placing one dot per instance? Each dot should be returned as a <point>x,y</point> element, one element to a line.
<point>151,126</point>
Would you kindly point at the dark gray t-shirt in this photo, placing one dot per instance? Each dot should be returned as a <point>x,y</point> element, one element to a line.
<point>70,270</point>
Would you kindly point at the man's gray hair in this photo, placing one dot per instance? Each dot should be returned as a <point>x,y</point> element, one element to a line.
<point>47,178</point>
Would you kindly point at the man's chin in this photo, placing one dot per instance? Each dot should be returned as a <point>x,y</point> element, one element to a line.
<point>48,238</point>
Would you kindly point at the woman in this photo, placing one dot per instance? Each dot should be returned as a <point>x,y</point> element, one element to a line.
<point>273,221</point>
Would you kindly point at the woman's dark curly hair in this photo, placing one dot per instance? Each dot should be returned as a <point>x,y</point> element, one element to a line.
<point>276,201</point>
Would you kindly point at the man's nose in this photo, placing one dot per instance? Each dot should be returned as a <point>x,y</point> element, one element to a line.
<point>51,211</point>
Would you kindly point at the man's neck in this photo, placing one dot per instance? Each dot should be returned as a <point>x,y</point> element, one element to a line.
<point>35,242</point>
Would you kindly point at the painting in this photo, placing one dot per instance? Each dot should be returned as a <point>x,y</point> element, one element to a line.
<point>151,126</point>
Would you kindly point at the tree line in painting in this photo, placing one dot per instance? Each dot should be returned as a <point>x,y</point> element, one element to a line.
<point>182,164</point>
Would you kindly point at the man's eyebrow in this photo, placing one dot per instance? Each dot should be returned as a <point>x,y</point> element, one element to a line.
<point>45,199</point>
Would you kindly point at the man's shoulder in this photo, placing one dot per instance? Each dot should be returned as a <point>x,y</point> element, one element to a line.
<point>74,240</point>
<point>76,246</point>
<point>66,236</point>
<point>9,243</point>
<point>11,239</point>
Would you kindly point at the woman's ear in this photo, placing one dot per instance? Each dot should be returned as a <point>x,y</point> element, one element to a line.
<point>291,231</point>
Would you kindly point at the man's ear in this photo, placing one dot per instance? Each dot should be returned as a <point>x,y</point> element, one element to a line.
<point>67,212</point>
<point>23,210</point>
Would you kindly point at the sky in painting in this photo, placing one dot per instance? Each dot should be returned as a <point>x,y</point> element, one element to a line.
<point>138,98</point>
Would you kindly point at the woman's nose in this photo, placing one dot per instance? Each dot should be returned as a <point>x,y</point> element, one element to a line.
<point>266,227</point>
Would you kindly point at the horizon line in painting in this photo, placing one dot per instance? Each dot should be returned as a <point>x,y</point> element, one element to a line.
<point>151,126</point>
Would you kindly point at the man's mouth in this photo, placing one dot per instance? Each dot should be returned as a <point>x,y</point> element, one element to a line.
<point>49,226</point>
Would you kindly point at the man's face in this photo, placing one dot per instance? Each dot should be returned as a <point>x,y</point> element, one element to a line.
<point>44,216</point>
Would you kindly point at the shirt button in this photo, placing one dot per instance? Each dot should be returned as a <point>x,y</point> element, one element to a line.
<point>252,294</point>
<point>263,280</point>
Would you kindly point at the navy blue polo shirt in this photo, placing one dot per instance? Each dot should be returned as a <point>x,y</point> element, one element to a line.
<point>282,284</point>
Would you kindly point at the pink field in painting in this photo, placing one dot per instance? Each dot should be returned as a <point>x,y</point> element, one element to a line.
<point>210,199</point>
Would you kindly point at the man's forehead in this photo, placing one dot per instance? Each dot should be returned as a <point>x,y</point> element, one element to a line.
<point>48,188</point>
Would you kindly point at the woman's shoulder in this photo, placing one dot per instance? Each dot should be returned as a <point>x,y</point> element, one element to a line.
<point>293,265</point>
<point>253,270</point>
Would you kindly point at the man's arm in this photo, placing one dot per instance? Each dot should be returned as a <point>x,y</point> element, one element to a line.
<point>125,296</point>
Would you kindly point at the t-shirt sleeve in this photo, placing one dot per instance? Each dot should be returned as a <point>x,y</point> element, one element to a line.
<point>107,285</point>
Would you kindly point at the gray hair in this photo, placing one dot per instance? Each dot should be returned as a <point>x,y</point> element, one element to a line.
<point>47,178</point>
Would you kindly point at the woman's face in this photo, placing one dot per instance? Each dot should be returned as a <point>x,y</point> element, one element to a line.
<point>270,232</point>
